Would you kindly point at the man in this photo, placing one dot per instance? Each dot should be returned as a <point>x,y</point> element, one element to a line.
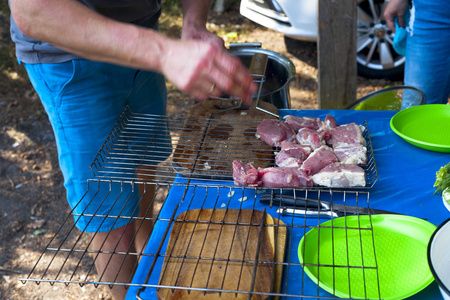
<point>88,60</point>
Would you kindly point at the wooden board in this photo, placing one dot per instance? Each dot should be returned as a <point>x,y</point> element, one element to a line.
<point>209,143</point>
<point>216,250</point>
<point>278,234</point>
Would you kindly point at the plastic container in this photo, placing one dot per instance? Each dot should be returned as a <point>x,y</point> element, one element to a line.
<point>439,257</point>
<point>446,198</point>
<point>394,98</point>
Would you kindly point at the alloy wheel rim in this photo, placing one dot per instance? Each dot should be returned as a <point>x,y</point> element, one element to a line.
<point>374,38</point>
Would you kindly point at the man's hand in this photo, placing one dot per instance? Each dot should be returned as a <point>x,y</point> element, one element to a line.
<point>210,70</point>
<point>203,70</point>
<point>395,8</point>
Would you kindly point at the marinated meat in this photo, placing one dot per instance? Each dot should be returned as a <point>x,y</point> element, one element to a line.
<point>306,136</point>
<point>245,174</point>
<point>292,154</point>
<point>317,160</point>
<point>347,133</point>
<point>274,132</point>
<point>282,177</point>
<point>351,153</point>
<point>297,123</point>
<point>340,175</point>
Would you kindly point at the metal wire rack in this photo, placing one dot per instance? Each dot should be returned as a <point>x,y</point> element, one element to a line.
<point>222,242</point>
<point>210,239</point>
<point>204,149</point>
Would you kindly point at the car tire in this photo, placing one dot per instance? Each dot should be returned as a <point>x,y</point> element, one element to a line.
<point>394,74</point>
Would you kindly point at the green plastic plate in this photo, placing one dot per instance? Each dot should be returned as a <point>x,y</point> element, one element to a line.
<point>369,257</point>
<point>424,126</point>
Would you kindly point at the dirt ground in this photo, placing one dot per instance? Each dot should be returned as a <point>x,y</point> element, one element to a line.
<point>32,197</point>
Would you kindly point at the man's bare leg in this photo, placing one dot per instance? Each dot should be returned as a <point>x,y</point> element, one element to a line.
<point>115,267</point>
<point>130,238</point>
<point>145,227</point>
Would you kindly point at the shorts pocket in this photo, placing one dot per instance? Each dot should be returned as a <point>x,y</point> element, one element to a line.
<point>58,77</point>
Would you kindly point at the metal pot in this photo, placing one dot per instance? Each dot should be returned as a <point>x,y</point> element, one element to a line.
<point>279,72</point>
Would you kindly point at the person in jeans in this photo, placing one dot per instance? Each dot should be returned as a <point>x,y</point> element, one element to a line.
<point>88,60</point>
<point>427,53</point>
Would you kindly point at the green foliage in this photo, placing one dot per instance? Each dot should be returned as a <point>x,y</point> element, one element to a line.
<point>442,179</point>
<point>172,7</point>
<point>171,2</point>
<point>4,8</point>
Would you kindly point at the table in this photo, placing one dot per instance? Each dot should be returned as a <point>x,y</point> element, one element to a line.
<point>405,185</point>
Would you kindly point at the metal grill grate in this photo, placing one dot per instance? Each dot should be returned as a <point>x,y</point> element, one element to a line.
<point>210,238</point>
<point>210,243</point>
<point>138,140</point>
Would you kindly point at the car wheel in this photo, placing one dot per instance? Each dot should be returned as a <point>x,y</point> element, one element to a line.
<point>375,55</point>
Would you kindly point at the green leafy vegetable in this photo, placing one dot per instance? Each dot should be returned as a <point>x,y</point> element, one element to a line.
<point>442,179</point>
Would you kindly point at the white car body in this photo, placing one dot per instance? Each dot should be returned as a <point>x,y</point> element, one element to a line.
<point>299,20</point>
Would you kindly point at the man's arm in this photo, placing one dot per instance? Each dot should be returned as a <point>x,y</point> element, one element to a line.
<point>195,16</point>
<point>73,27</point>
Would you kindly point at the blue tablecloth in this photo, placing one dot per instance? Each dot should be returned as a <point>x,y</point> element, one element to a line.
<point>406,177</point>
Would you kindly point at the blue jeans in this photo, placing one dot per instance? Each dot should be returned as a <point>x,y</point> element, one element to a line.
<point>83,100</point>
<point>428,49</point>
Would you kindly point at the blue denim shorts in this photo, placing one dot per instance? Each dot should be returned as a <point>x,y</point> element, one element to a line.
<point>83,100</point>
<point>427,64</point>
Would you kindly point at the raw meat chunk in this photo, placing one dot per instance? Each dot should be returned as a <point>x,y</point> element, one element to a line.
<point>283,159</point>
<point>292,154</point>
<point>351,153</point>
<point>347,133</point>
<point>245,174</point>
<point>325,135</point>
<point>273,132</point>
<point>282,177</point>
<point>306,136</point>
<point>312,152</point>
<point>294,147</point>
<point>303,122</point>
<point>330,122</point>
<point>340,175</point>
<point>317,160</point>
